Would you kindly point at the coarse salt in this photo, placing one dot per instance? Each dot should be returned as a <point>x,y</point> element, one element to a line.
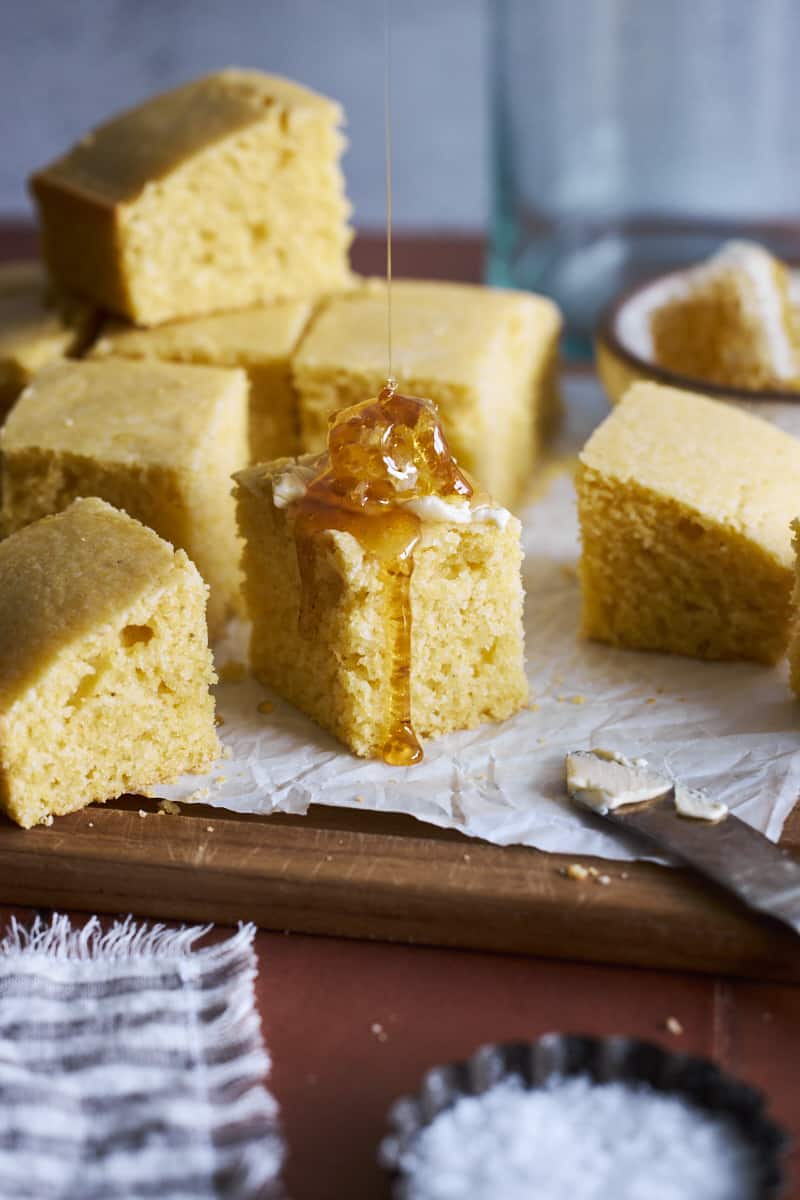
<point>578,1139</point>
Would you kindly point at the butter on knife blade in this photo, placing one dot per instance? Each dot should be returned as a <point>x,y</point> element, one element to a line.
<point>603,780</point>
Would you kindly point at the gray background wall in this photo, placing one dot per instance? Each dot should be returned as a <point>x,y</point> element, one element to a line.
<point>67,64</point>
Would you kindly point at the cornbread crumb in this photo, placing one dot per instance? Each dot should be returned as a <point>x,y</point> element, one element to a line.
<point>48,820</point>
<point>219,719</point>
<point>227,752</point>
<point>339,670</point>
<point>673,1026</point>
<point>209,828</point>
<point>169,808</point>
<point>237,200</point>
<point>104,663</point>
<point>680,554</point>
<point>380,1033</point>
<point>604,880</point>
<point>486,357</point>
<point>577,872</point>
<point>142,812</point>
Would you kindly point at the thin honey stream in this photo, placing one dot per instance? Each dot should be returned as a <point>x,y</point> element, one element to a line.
<point>382,453</point>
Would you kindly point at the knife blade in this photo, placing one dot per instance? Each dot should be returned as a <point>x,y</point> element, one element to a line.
<point>730,852</point>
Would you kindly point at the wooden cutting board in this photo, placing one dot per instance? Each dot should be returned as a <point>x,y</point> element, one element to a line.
<point>368,875</point>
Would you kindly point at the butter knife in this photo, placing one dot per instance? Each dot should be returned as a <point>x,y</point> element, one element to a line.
<point>732,853</point>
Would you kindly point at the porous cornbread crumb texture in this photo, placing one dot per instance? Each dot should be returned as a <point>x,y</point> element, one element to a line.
<point>223,193</point>
<point>36,327</point>
<point>155,439</point>
<point>486,357</point>
<point>466,622</point>
<point>260,340</point>
<point>104,663</point>
<point>731,322</point>
<point>685,505</point>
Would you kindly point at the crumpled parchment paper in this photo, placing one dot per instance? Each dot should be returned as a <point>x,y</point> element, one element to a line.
<point>732,728</point>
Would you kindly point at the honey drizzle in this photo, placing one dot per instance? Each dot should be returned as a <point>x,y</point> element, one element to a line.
<point>380,452</point>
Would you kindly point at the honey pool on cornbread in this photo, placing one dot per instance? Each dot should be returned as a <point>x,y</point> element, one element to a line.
<point>385,597</point>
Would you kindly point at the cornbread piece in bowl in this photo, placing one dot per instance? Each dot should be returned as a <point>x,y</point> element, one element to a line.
<point>155,439</point>
<point>385,595</point>
<point>685,507</point>
<point>487,358</point>
<point>223,193</point>
<point>35,327</point>
<point>259,340</point>
<point>730,321</point>
<point>104,663</point>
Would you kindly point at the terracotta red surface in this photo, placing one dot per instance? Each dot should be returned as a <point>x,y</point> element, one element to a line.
<point>319,998</point>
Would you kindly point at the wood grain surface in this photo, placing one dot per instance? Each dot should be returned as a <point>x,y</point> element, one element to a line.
<point>366,875</point>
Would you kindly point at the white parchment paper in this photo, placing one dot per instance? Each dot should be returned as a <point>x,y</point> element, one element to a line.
<point>732,728</point>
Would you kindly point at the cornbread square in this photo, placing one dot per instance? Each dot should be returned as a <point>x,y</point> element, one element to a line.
<point>260,340</point>
<point>155,439</point>
<point>223,193</point>
<point>685,507</point>
<point>730,321</point>
<point>338,670</point>
<point>104,663</point>
<point>486,357</point>
<point>35,327</point>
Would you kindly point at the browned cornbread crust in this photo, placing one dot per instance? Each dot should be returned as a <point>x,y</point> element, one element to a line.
<point>223,193</point>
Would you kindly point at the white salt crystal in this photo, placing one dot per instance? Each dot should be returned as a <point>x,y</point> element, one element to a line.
<point>577,1139</point>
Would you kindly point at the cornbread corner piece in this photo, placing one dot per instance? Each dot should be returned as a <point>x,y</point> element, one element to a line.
<point>259,340</point>
<point>730,321</point>
<point>485,356</point>
<point>338,669</point>
<point>104,663</point>
<point>685,506</point>
<point>158,440</point>
<point>223,193</point>
<point>36,327</point>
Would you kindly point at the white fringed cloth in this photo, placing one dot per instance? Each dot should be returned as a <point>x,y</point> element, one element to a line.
<point>132,1066</point>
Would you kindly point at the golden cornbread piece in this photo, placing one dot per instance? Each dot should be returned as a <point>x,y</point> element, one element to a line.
<point>104,663</point>
<point>35,328</point>
<point>260,340</point>
<point>337,669</point>
<point>223,193</point>
<point>487,358</point>
<point>155,439</point>
<point>685,505</point>
<point>730,321</point>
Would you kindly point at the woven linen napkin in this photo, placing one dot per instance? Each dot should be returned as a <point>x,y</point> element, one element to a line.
<point>131,1065</point>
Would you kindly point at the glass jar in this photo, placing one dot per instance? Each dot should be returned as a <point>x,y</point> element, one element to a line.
<point>633,136</point>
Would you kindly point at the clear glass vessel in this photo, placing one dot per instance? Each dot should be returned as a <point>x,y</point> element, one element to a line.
<point>633,136</point>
